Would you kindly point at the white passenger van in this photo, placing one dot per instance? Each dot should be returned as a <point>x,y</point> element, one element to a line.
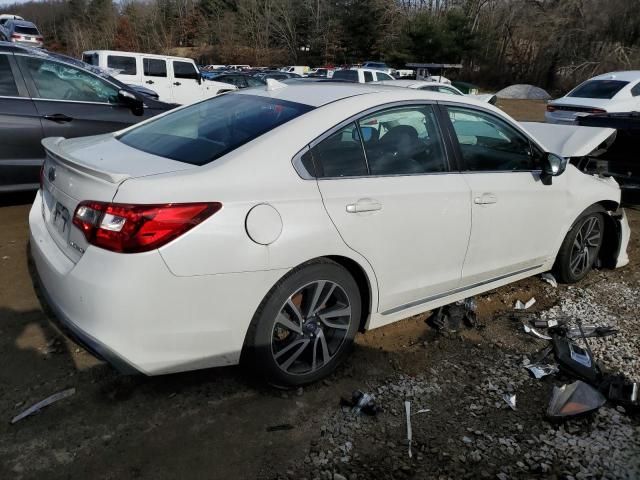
<point>174,79</point>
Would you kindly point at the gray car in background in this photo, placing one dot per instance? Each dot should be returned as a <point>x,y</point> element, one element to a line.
<point>23,33</point>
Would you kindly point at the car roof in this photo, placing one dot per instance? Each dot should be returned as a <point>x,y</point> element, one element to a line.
<point>150,55</point>
<point>23,23</point>
<point>628,76</point>
<point>317,94</point>
<point>412,83</point>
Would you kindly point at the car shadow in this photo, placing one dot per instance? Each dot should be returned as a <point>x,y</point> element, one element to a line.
<point>10,199</point>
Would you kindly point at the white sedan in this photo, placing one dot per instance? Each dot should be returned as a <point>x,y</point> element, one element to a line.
<point>270,225</point>
<point>608,93</point>
<point>440,87</point>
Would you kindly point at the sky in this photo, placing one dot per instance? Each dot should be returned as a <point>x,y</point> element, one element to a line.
<point>4,3</point>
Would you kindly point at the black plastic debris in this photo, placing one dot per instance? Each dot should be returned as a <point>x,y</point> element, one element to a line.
<point>590,331</point>
<point>575,361</point>
<point>621,391</point>
<point>360,402</point>
<point>454,316</point>
<point>577,398</point>
<point>279,428</point>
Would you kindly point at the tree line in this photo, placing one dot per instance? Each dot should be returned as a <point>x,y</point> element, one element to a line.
<point>550,43</point>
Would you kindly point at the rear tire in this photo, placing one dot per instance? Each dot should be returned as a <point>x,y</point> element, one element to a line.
<point>580,248</point>
<point>306,324</point>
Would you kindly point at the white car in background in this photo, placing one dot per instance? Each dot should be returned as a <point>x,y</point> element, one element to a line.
<point>174,79</point>
<point>361,75</point>
<point>439,87</point>
<point>273,224</point>
<point>609,93</point>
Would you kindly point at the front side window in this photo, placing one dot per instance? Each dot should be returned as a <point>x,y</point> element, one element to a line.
<point>384,76</point>
<point>184,70</point>
<point>124,65</point>
<point>603,89</point>
<point>349,75</point>
<point>8,87</point>
<point>403,141</point>
<point>207,130</point>
<point>368,77</point>
<point>488,143</point>
<point>90,58</point>
<point>448,90</point>
<point>57,81</point>
<point>154,67</point>
<point>339,155</point>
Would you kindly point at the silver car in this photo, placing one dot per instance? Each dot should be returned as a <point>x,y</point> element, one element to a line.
<point>23,33</point>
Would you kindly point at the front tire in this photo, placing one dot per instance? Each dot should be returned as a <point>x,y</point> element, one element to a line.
<point>306,324</point>
<point>580,248</point>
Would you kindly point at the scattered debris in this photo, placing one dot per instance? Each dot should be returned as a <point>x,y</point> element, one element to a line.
<point>577,398</point>
<point>550,279</point>
<point>575,361</point>
<point>589,331</point>
<point>452,316</point>
<point>548,322</point>
<point>535,333</point>
<point>360,402</point>
<point>422,410</point>
<point>539,370</point>
<point>524,306</point>
<point>6,257</point>
<point>510,398</point>
<point>44,403</point>
<point>622,391</point>
<point>407,410</point>
<point>281,427</point>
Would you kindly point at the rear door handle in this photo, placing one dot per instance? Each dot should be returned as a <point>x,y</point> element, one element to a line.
<point>58,117</point>
<point>485,199</point>
<point>364,205</point>
<point>150,82</point>
<point>177,83</point>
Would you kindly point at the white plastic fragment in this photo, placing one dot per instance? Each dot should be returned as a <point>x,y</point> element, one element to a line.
<point>43,403</point>
<point>510,399</point>
<point>539,370</point>
<point>550,279</point>
<point>422,410</point>
<point>407,409</point>
<point>532,331</point>
<point>524,306</point>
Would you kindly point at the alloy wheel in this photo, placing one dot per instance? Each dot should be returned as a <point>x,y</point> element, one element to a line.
<point>310,327</point>
<point>585,246</point>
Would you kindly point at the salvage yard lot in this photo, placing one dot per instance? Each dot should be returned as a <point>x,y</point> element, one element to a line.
<point>216,423</point>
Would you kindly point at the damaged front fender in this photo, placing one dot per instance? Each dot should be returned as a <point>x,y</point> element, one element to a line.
<point>613,253</point>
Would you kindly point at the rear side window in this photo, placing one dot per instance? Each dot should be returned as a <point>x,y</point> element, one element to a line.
<point>368,77</point>
<point>340,155</point>
<point>604,89</point>
<point>184,70</point>
<point>8,87</point>
<point>125,65</point>
<point>154,67</point>
<point>207,130</point>
<point>90,58</point>
<point>26,30</point>
<point>350,75</point>
<point>383,76</point>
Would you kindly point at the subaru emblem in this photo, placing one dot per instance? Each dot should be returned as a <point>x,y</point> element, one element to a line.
<point>52,174</point>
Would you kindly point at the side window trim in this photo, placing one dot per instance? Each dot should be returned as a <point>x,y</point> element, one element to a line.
<point>33,91</point>
<point>456,145</point>
<point>18,77</point>
<point>305,175</point>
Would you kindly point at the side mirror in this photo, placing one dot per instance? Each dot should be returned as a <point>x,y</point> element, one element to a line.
<point>133,102</point>
<point>553,165</point>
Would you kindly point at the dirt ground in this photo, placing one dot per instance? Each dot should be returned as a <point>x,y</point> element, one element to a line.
<point>215,423</point>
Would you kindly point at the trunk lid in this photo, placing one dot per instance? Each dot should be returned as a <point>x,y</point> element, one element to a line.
<point>571,141</point>
<point>89,168</point>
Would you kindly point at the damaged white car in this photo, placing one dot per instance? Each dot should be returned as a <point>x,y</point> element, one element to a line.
<point>271,225</point>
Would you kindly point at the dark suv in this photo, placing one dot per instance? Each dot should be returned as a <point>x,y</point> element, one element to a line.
<point>43,94</point>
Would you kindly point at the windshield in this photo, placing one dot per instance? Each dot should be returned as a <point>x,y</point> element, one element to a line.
<point>203,132</point>
<point>598,89</point>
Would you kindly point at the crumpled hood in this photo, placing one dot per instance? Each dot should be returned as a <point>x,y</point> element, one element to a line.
<point>571,140</point>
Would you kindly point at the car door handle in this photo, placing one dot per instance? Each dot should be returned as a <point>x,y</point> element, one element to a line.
<point>485,199</point>
<point>150,82</point>
<point>364,205</point>
<point>177,83</point>
<point>58,117</point>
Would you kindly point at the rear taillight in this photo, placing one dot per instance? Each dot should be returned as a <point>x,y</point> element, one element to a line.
<point>40,39</point>
<point>551,108</point>
<point>597,110</point>
<point>138,228</point>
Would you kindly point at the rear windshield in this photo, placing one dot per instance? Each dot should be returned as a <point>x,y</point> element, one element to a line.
<point>205,131</point>
<point>26,30</point>
<point>598,89</point>
<point>346,75</point>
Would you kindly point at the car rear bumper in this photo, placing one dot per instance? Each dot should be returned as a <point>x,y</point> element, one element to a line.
<point>134,313</point>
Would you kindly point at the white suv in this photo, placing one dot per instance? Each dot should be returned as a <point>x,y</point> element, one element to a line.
<point>361,75</point>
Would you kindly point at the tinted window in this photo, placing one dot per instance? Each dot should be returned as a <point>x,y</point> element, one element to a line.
<point>208,130</point>
<point>124,65</point>
<point>635,91</point>
<point>26,30</point>
<point>253,82</point>
<point>184,70</point>
<point>8,86</point>
<point>368,76</point>
<point>58,81</point>
<point>90,58</point>
<point>350,75</point>
<point>154,67</point>
<point>384,76</point>
<point>340,155</point>
<point>490,144</point>
<point>402,141</point>
<point>598,89</point>
<point>448,90</point>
